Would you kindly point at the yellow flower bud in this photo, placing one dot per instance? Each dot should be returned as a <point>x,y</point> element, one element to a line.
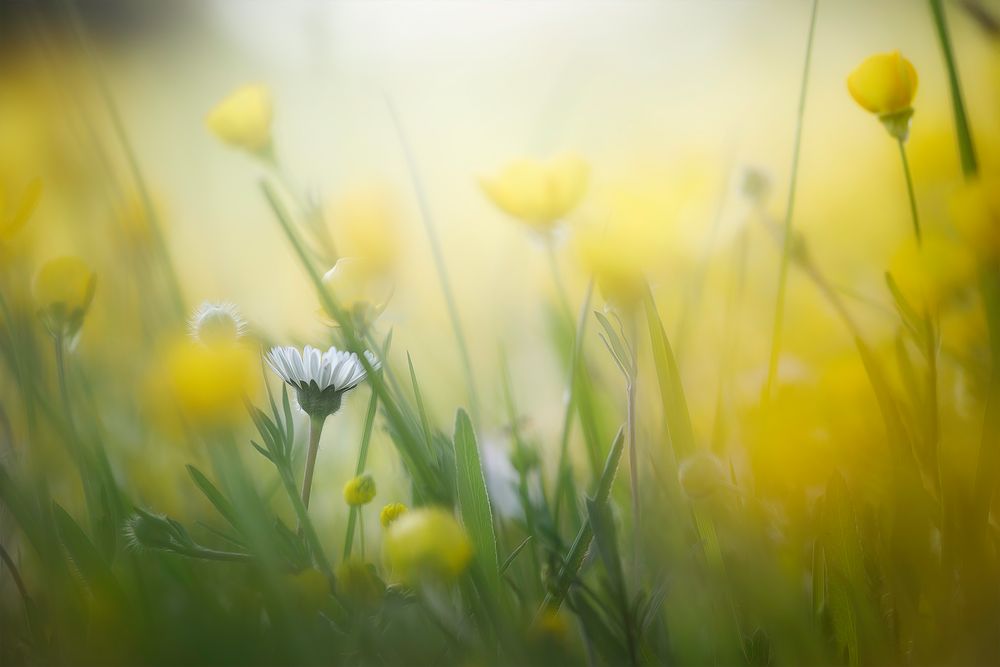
<point>210,383</point>
<point>390,513</point>
<point>64,288</point>
<point>975,211</point>
<point>243,119</point>
<point>427,542</point>
<point>539,194</point>
<point>360,490</point>
<point>885,84</point>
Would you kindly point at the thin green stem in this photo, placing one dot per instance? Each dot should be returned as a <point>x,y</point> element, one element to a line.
<point>361,531</point>
<point>561,293</point>
<point>966,149</point>
<point>315,431</point>
<point>914,216</point>
<point>359,469</point>
<point>786,241</point>
<point>567,426</point>
<point>439,263</point>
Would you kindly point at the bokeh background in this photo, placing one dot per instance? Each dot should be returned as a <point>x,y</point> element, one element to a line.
<point>671,104</point>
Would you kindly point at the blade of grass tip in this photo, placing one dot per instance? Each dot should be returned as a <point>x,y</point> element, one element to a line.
<point>366,436</point>
<point>574,559</point>
<point>571,400</point>
<point>674,402</point>
<point>439,263</point>
<point>424,423</point>
<point>786,241</point>
<point>966,148</point>
<point>474,505</point>
<point>118,125</point>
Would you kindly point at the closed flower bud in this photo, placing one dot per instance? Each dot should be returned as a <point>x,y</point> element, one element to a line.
<point>243,119</point>
<point>701,475</point>
<point>390,513</point>
<point>885,85</point>
<point>360,490</point>
<point>539,194</point>
<point>310,588</point>
<point>427,543</point>
<point>359,287</point>
<point>64,289</point>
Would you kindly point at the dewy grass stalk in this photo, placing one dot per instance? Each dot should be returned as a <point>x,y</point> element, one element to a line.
<point>786,241</point>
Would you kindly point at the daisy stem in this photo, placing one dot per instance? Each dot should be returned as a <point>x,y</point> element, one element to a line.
<point>910,193</point>
<point>315,430</point>
<point>786,241</point>
<point>439,264</point>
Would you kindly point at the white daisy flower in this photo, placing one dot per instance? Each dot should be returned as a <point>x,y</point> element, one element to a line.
<point>320,378</point>
<point>217,323</point>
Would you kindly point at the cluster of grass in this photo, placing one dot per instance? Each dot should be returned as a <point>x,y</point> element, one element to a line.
<point>645,547</point>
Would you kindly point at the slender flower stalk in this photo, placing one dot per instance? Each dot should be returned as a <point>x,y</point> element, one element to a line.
<point>315,431</point>
<point>786,249</point>
<point>909,191</point>
<point>439,264</point>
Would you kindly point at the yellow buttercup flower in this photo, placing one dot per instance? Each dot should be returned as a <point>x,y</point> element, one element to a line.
<point>975,211</point>
<point>359,490</point>
<point>426,543</point>
<point>390,513</point>
<point>365,222</point>
<point>537,193</point>
<point>885,84</point>
<point>64,289</point>
<point>243,119</point>
<point>209,384</point>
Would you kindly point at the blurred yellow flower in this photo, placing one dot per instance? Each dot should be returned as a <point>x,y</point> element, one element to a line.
<point>931,274</point>
<point>537,193</point>
<point>243,119</point>
<point>359,287</point>
<point>360,490</point>
<point>427,542</point>
<point>390,513</point>
<point>64,289</point>
<point>210,384</point>
<point>365,224</point>
<point>975,211</point>
<point>885,84</point>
